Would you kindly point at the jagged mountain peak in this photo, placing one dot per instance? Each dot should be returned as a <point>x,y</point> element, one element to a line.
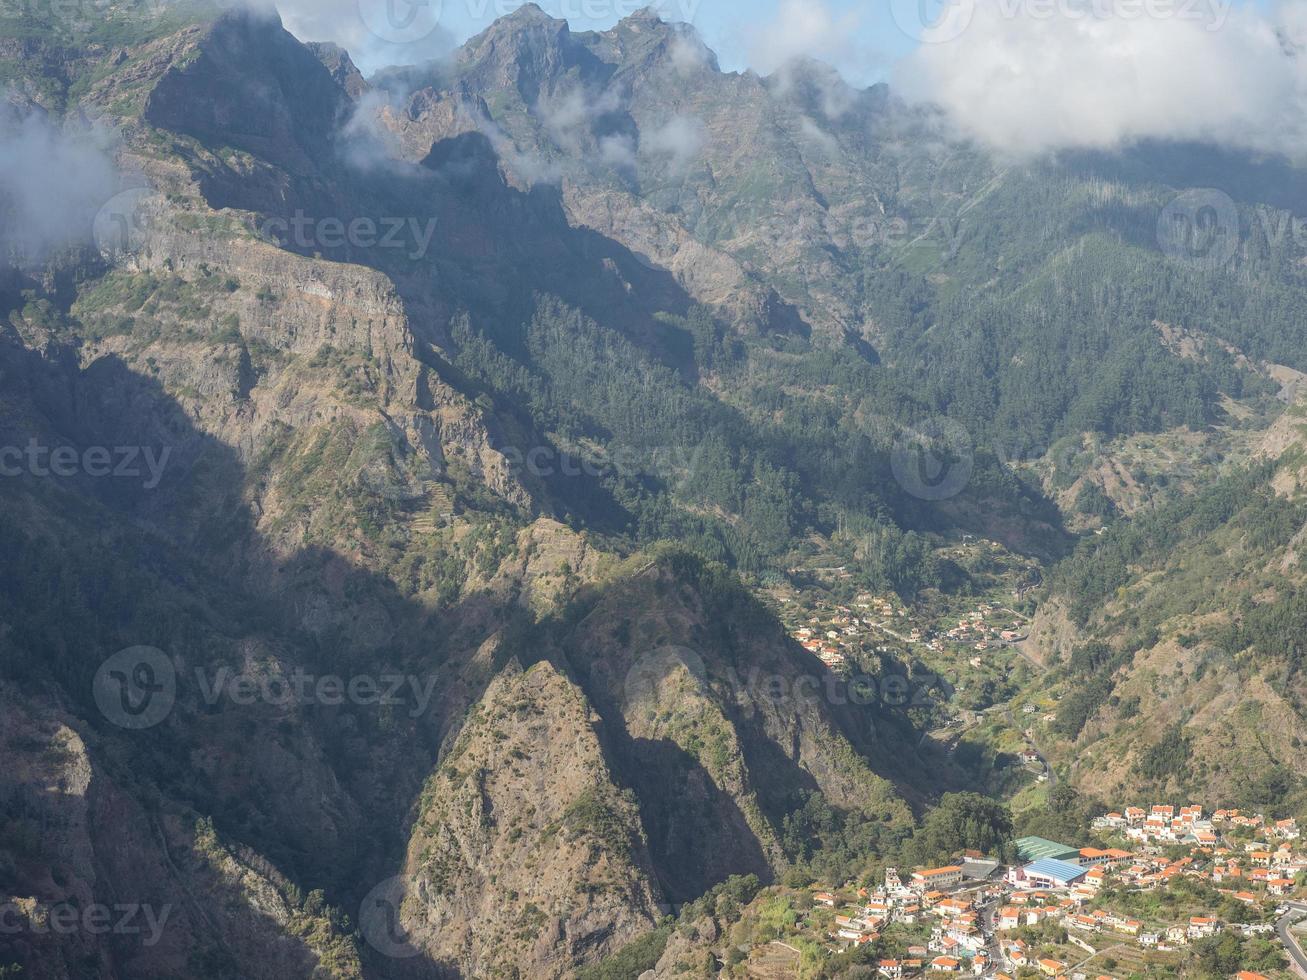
<point>527,51</point>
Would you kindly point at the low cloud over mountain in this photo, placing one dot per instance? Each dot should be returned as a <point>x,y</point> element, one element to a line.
<point>1026,78</point>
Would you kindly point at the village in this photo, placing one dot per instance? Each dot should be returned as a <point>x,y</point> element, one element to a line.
<point>837,633</point>
<point>1159,880</point>
<point>830,633</point>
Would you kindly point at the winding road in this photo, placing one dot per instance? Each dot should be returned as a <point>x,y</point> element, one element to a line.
<point>1297,911</point>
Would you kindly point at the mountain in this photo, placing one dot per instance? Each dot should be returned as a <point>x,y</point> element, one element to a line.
<point>1174,639</point>
<point>393,467</point>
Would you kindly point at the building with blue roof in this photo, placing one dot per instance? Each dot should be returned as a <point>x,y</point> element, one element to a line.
<point>1048,873</point>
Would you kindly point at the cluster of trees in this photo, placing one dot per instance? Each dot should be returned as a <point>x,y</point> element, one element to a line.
<point>735,482</point>
<point>960,822</point>
<point>1102,564</point>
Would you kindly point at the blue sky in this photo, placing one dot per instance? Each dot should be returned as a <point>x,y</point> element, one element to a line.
<point>735,29</point>
<point>865,37</point>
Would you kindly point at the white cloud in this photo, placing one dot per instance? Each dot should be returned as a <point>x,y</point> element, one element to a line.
<point>818,137</point>
<point>568,117</point>
<point>52,183</point>
<point>1029,76</point>
<point>689,54</point>
<point>680,139</point>
<point>802,28</point>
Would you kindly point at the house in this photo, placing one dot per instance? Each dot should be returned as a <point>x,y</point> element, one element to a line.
<point>824,898</point>
<point>937,877</point>
<point>1009,917</point>
<point>1017,952</point>
<point>951,907</point>
<point>1092,857</point>
<point>946,964</point>
<point>890,968</point>
<point>1050,968</point>
<point>1280,886</point>
<point>1201,926</point>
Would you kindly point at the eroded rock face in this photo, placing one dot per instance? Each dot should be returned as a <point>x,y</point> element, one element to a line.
<point>712,727</point>
<point>525,853</point>
<point>89,861</point>
<point>285,114</point>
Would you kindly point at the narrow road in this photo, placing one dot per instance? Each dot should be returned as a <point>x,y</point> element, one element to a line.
<point>1052,776</point>
<point>1297,911</point>
<point>1101,952</point>
<point>988,913</point>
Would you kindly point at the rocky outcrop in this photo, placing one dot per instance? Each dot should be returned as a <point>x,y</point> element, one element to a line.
<point>717,725</point>
<point>247,83</point>
<point>525,854</point>
<point>82,859</point>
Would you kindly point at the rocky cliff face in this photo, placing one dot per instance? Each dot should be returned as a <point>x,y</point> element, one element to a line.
<point>525,854</point>
<point>701,694</point>
<point>99,877</point>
